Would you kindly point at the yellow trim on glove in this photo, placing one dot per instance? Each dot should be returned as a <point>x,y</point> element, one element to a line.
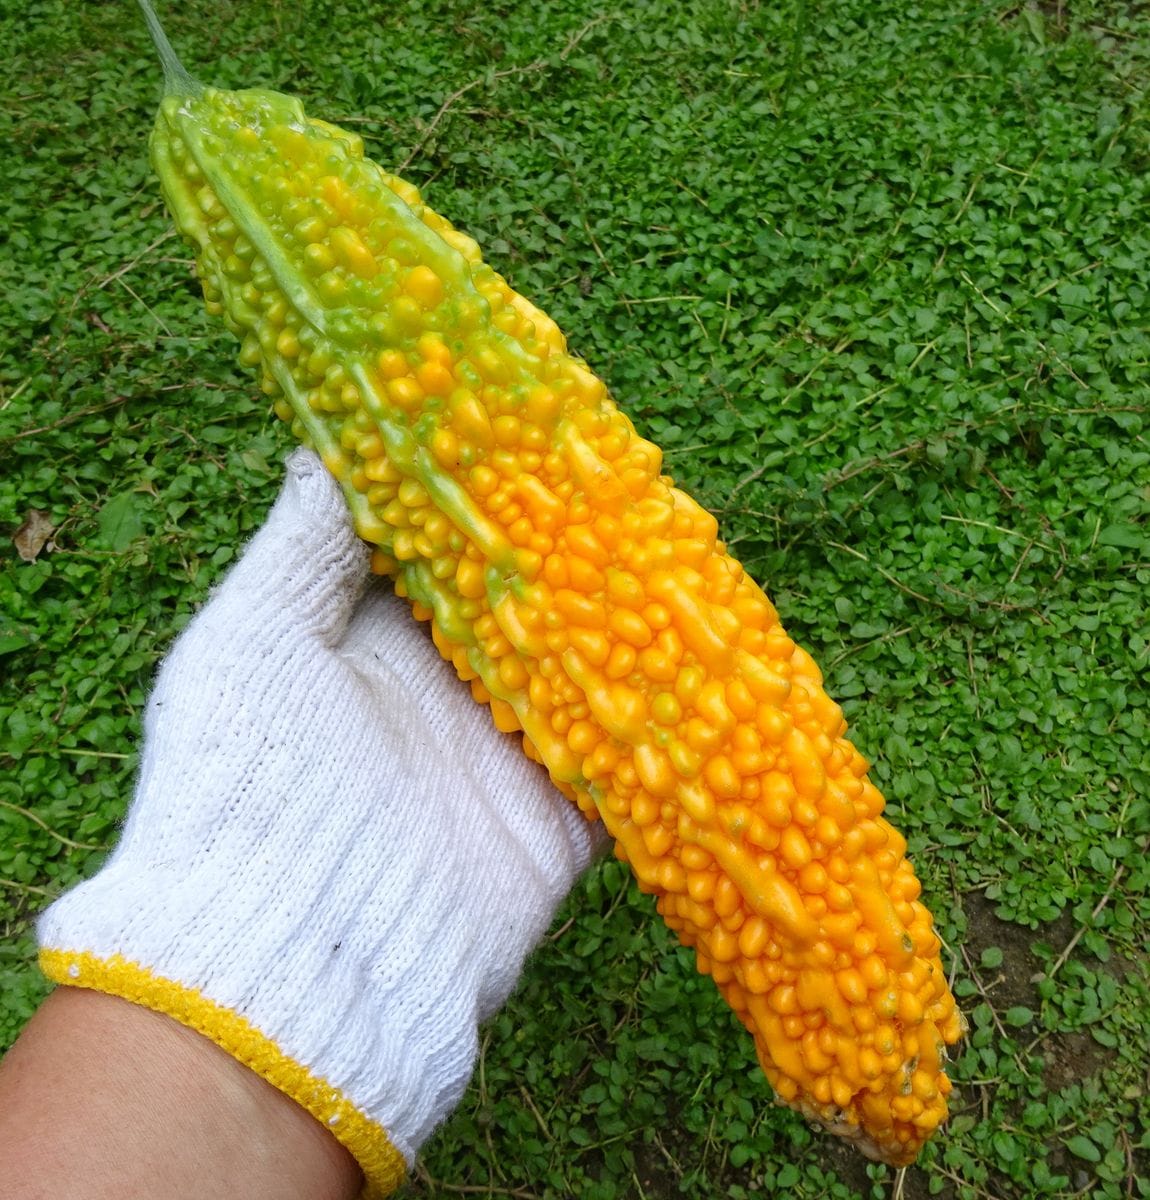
<point>383,1166</point>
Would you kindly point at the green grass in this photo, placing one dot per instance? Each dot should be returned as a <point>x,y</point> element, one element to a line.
<point>875,275</point>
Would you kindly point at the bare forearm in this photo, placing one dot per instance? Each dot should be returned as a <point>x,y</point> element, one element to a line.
<point>103,1100</point>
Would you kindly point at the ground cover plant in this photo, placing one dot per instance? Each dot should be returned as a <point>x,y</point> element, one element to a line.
<point>875,277</point>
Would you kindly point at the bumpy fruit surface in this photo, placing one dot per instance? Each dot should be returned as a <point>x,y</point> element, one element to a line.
<point>584,597</point>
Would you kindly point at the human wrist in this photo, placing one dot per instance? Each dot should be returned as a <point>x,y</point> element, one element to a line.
<point>150,1107</point>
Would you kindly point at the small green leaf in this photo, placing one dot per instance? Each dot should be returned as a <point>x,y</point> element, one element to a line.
<point>119,521</point>
<point>788,1176</point>
<point>1083,1147</point>
<point>1035,24</point>
<point>1019,1015</point>
<point>1100,860</point>
<point>740,1155</point>
<point>1127,537</point>
<point>14,637</point>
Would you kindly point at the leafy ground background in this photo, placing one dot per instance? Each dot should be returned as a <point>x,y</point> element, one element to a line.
<point>875,275</point>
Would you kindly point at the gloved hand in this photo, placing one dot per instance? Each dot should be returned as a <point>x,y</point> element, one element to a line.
<point>333,866</point>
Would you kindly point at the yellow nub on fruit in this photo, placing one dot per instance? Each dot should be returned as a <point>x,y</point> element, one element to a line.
<point>582,595</point>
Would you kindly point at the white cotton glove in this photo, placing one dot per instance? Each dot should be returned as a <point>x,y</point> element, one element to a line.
<point>334,866</point>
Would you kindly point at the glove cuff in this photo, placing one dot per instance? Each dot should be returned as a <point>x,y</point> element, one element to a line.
<point>384,1167</point>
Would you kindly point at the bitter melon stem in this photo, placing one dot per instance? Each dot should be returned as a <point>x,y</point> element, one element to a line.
<point>177,80</point>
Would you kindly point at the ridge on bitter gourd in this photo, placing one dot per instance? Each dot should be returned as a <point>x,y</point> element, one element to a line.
<point>587,600</point>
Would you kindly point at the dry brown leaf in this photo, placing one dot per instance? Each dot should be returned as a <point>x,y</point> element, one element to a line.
<point>32,535</point>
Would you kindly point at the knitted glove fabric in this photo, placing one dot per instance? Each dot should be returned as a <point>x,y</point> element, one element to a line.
<point>333,865</point>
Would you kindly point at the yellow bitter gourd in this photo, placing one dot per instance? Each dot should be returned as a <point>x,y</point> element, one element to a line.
<point>587,599</point>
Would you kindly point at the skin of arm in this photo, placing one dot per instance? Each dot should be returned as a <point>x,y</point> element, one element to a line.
<point>101,1099</point>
